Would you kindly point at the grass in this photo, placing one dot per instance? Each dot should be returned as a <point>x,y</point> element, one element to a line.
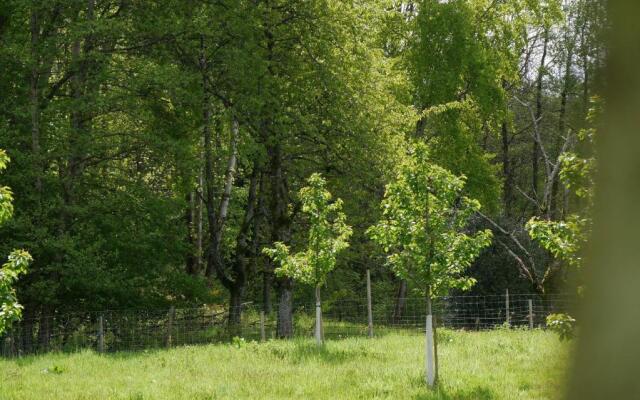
<point>498,364</point>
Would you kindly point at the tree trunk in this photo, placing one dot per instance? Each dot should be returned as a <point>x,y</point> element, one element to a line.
<point>280,225</point>
<point>199,222</point>
<point>401,299</point>
<point>562,130</point>
<point>285,309</point>
<point>235,305</point>
<point>244,251</point>
<point>190,259</point>
<point>266,290</point>
<point>506,171</point>
<point>34,97</point>
<point>535,156</point>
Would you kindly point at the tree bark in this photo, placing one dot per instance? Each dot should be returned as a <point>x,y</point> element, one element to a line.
<point>535,156</point>
<point>506,171</point>
<point>280,225</point>
<point>34,97</point>
<point>190,259</point>
<point>285,309</point>
<point>401,298</point>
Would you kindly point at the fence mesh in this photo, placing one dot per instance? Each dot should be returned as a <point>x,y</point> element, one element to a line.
<point>132,330</point>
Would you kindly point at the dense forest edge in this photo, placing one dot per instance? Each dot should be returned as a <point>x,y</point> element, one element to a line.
<point>156,148</point>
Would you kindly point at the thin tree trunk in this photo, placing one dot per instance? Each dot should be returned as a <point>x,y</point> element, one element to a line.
<point>199,216</point>
<point>562,131</point>
<point>244,250</point>
<point>34,97</point>
<point>535,156</point>
<point>190,259</point>
<point>506,170</point>
<point>266,291</point>
<point>228,178</point>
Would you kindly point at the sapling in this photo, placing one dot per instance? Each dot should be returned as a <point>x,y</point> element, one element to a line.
<point>423,231</point>
<point>328,235</point>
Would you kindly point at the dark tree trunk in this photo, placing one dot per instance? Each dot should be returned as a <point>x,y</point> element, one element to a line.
<point>506,171</point>
<point>191,260</point>
<point>266,292</point>
<point>280,225</point>
<point>235,305</point>
<point>244,252</point>
<point>401,298</point>
<point>285,308</point>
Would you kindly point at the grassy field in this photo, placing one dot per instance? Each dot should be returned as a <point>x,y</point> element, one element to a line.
<point>498,364</point>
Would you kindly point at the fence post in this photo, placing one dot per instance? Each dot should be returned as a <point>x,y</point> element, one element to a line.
<point>530,314</point>
<point>262,333</point>
<point>508,320</point>
<point>168,339</point>
<point>101,334</point>
<point>369,307</point>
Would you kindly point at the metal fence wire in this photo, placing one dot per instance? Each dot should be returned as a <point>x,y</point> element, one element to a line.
<point>133,330</point>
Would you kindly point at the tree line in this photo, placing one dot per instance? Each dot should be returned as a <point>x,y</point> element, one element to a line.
<point>159,146</point>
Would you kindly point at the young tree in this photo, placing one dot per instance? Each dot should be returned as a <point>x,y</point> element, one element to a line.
<point>422,230</point>
<point>10,309</point>
<point>328,236</point>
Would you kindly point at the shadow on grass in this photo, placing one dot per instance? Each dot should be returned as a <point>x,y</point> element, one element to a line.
<point>440,393</point>
<point>304,351</point>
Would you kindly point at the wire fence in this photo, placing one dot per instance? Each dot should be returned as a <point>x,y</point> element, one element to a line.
<point>133,330</point>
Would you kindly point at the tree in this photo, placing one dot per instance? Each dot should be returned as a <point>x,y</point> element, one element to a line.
<point>565,238</point>
<point>10,309</point>
<point>328,235</point>
<point>423,231</point>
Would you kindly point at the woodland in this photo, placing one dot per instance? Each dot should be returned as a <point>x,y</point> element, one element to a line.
<point>159,152</point>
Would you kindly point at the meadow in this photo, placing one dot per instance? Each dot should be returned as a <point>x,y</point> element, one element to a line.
<point>497,364</point>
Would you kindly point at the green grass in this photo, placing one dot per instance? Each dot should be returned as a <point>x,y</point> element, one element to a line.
<point>498,364</point>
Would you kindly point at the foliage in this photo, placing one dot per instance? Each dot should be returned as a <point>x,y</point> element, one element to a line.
<point>16,265</point>
<point>562,324</point>
<point>565,239</point>
<point>104,105</point>
<point>423,223</point>
<point>328,236</point>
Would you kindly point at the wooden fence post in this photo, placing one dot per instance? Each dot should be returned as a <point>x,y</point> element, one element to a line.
<point>262,332</point>
<point>369,306</point>
<point>101,334</point>
<point>506,302</point>
<point>530,314</point>
<point>169,338</point>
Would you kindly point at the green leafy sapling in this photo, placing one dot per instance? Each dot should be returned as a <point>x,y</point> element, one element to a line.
<point>17,262</point>
<point>423,231</point>
<point>328,236</point>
